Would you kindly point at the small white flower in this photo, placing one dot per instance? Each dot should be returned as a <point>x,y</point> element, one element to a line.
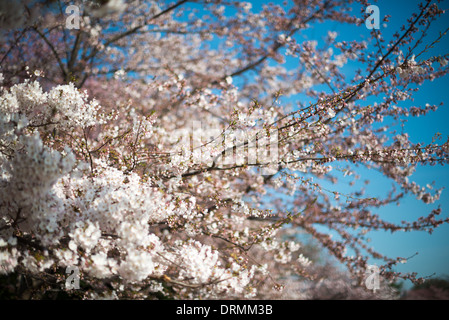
<point>38,73</point>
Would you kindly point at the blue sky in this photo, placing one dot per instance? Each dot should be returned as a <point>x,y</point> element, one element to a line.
<point>433,250</point>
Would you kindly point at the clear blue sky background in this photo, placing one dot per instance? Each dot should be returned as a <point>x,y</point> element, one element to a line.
<point>433,250</point>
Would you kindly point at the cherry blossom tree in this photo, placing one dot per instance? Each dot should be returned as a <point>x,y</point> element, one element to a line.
<point>154,146</point>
